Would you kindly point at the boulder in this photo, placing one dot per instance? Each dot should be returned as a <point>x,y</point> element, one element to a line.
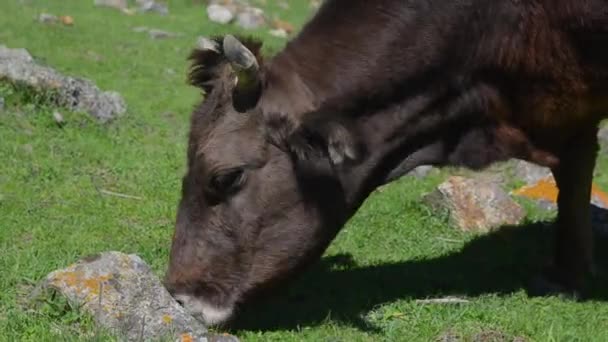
<point>219,14</point>
<point>124,296</point>
<point>475,204</point>
<point>77,94</point>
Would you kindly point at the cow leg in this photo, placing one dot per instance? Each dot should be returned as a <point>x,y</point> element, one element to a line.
<point>573,258</point>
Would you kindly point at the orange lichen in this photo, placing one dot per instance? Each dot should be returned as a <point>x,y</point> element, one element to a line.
<point>599,195</point>
<point>167,319</point>
<point>186,338</point>
<point>546,189</point>
<point>78,280</point>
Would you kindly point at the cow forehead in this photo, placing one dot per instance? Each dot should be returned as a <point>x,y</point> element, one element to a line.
<point>234,140</point>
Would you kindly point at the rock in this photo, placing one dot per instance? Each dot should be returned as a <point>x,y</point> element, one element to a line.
<point>545,192</point>
<point>140,29</point>
<point>117,4</point>
<point>124,296</point>
<point>283,4</point>
<point>477,204</point>
<point>602,136</point>
<point>67,20</point>
<point>1,103</point>
<point>77,94</point>
<point>160,34</point>
<point>47,18</point>
<point>421,171</point>
<point>250,18</point>
<point>18,53</point>
<point>531,173</point>
<point>283,25</point>
<point>219,14</point>
<point>152,6</point>
<point>278,33</point>
<point>58,118</point>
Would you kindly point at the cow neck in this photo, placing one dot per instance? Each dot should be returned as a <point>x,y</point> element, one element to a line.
<point>397,140</point>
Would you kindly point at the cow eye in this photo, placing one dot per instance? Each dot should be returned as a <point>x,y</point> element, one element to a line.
<point>227,182</point>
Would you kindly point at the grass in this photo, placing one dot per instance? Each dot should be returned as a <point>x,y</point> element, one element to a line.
<point>392,252</point>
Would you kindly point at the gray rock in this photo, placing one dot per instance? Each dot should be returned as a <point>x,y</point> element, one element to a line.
<point>47,18</point>
<point>1,103</point>
<point>118,4</point>
<point>421,171</point>
<point>478,205</point>
<point>251,18</point>
<point>58,118</point>
<point>17,67</point>
<point>124,296</point>
<point>160,34</point>
<point>531,173</point>
<point>140,29</point>
<point>21,54</point>
<point>219,14</point>
<point>602,136</point>
<point>278,33</point>
<point>152,6</point>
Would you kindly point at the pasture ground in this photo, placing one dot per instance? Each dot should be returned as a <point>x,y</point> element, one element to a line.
<point>391,253</point>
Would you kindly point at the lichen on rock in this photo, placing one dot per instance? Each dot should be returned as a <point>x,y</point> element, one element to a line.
<point>123,295</point>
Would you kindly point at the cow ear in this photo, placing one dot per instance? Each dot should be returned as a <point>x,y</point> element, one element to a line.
<point>206,60</point>
<point>245,63</point>
<point>317,145</point>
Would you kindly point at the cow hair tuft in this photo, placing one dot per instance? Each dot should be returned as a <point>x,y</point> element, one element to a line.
<point>206,64</point>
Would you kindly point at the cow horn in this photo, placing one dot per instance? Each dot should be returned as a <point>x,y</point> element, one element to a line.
<point>246,67</point>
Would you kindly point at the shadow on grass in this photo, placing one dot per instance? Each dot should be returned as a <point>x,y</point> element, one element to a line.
<point>501,262</point>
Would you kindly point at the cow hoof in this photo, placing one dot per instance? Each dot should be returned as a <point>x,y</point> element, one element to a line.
<point>551,283</point>
<point>541,286</point>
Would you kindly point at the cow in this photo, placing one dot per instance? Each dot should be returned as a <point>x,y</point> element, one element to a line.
<point>283,150</point>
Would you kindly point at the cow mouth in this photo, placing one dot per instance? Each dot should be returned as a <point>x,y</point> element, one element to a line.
<point>207,313</point>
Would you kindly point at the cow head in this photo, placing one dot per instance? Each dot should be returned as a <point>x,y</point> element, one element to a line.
<point>249,216</point>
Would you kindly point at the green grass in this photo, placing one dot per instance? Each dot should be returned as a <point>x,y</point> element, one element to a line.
<point>393,251</point>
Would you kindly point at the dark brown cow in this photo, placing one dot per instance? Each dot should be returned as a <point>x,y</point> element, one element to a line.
<point>282,152</point>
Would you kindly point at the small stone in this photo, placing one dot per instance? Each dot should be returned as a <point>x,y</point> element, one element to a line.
<point>219,14</point>
<point>67,20</point>
<point>152,6</point>
<point>478,205</point>
<point>283,25</point>
<point>117,4</point>
<point>124,296</point>
<point>1,103</point>
<point>160,34</point>
<point>140,29</point>
<point>47,18</point>
<point>283,4</point>
<point>530,172</point>
<point>421,171</point>
<point>251,18</point>
<point>602,136</point>
<point>58,118</point>
<point>278,33</point>
<point>315,4</point>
